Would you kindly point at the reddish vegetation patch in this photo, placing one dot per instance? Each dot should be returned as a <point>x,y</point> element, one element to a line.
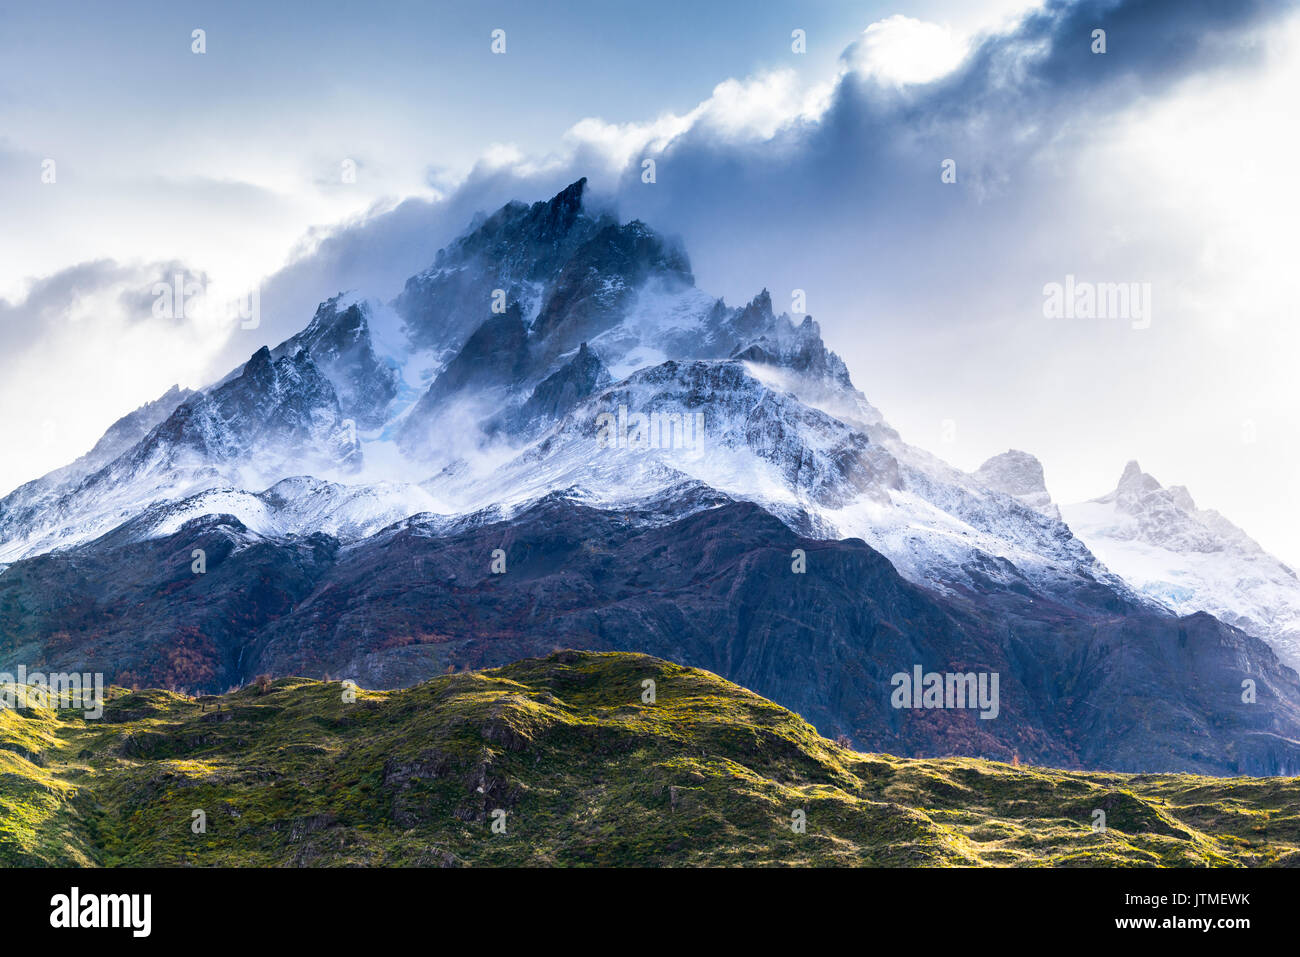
<point>190,662</point>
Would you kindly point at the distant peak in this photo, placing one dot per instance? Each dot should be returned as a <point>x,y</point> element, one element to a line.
<point>566,204</point>
<point>760,305</point>
<point>1013,456</point>
<point>1015,473</point>
<point>259,360</point>
<point>573,190</point>
<point>1135,480</point>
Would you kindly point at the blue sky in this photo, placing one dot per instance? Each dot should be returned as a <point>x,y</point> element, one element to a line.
<point>1166,160</point>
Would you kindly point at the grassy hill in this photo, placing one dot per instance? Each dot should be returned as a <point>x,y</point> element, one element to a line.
<point>586,773</point>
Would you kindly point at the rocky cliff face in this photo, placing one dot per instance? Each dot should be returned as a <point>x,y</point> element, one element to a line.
<point>279,414</point>
<point>1019,475</point>
<point>339,342</point>
<point>519,250</point>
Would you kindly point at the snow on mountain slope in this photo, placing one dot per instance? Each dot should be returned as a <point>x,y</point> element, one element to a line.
<point>713,423</point>
<point>25,505</point>
<point>487,407</point>
<point>294,506</point>
<point>720,424</point>
<point>277,417</point>
<point>1190,559</point>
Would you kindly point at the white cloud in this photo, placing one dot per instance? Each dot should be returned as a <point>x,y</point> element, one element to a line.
<point>84,347</point>
<point>752,109</point>
<point>900,50</point>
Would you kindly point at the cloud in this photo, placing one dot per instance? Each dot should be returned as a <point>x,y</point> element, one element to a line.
<point>738,112</point>
<point>902,50</point>
<point>83,347</point>
<point>100,292</point>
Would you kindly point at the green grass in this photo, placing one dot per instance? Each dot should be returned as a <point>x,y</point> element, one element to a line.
<point>587,774</point>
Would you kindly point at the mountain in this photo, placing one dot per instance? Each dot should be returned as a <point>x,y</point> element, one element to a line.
<point>579,769</point>
<point>339,342</point>
<point>553,438</point>
<point>520,249</point>
<point>597,315</point>
<point>1019,475</point>
<point>24,507</point>
<point>1191,559</point>
<point>700,580</point>
<point>276,417</point>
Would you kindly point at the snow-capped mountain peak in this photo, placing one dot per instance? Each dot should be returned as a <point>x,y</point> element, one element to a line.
<point>1019,475</point>
<point>1190,559</point>
<point>539,322</point>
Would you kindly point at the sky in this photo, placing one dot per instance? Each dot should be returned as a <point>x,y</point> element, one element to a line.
<point>312,148</point>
